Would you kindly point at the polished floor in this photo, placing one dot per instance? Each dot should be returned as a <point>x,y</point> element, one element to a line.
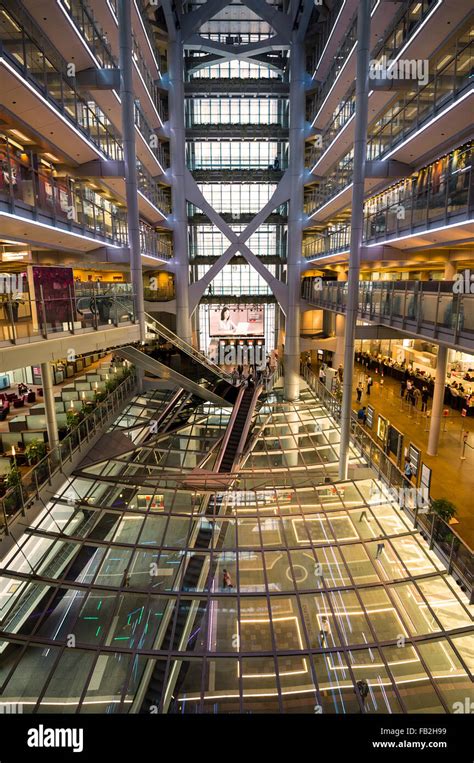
<point>452,477</point>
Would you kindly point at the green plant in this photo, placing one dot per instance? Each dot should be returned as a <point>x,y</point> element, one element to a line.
<point>71,418</point>
<point>445,509</point>
<point>13,477</point>
<point>35,451</point>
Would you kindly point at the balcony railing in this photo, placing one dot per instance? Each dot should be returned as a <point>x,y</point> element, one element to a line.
<point>26,318</point>
<point>28,52</point>
<point>150,137</point>
<point>449,546</point>
<point>406,25</point>
<point>432,309</point>
<point>29,189</point>
<point>152,244</point>
<point>18,499</point>
<point>404,117</point>
<point>92,34</point>
<point>154,192</point>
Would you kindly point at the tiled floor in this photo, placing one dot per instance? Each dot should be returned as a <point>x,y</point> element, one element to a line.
<point>452,477</point>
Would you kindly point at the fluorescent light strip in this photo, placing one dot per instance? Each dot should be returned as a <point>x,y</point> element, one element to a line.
<point>25,220</point>
<point>333,198</point>
<point>148,94</point>
<point>428,124</point>
<point>160,211</point>
<point>419,233</point>
<point>335,139</point>
<point>341,70</point>
<point>329,38</point>
<point>415,35</point>
<point>149,149</point>
<point>55,111</point>
<point>78,33</point>
<point>146,36</point>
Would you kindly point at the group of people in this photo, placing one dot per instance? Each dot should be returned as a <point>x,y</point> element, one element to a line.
<point>412,394</point>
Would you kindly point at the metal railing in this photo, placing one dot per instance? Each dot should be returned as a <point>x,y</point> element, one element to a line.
<point>414,204</point>
<point>427,308</point>
<point>18,499</point>
<point>29,52</point>
<point>155,328</point>
<point>400,120</point>
<point>25,318</point>
<point>448,545</point>
<point>154,244</point>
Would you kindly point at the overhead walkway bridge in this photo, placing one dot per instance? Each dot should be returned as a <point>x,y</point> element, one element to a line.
<point>431,310</point>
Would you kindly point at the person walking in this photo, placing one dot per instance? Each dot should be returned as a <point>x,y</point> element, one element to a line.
<point>380,548</point>
<point>403,388</point>
<point>340,372</point>
<point>369,385</point>
<point>359,391</point>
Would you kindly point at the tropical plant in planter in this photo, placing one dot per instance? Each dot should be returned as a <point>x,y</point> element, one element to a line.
<point>13,483</point>
<point>35,451</point>
<point>72,419</point>
<point>443,508</point>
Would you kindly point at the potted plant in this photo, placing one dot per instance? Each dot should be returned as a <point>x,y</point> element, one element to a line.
<point>35,451</point>
<point>13,483</point>
<point>445,509</point>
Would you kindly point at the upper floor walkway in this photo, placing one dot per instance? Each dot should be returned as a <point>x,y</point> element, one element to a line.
<point>439,311</point>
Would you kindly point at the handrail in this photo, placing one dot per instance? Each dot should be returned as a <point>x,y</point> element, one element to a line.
<point>450,547</point>
<point>186,348</point>
<point>28,489</point>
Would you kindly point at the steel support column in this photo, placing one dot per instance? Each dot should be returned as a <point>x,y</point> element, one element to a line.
<point>48,395</point>
<point>128,136</point>
<point>357,223</point>
<point>295,218</point>
<point>438,400</point>
<point>178,169</point>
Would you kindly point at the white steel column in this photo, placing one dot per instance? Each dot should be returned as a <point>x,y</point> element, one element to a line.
<point>357,224</point>
<point>295,218</point>
<point>340,329</point>
<point>48,395</point>
<point>129,152</point>
<point>178,168</point>
<point>438,401</point>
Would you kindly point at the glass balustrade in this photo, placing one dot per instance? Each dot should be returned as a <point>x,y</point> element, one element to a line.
<point>437,194</point>
<point>405,116</point>
<point>24,47</point>
<point>26,317</point>
<point>434,306</point>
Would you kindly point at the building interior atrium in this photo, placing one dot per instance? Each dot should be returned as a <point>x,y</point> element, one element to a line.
<point>236,358</point>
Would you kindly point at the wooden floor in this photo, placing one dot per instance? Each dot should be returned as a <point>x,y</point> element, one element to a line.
<point>452,478</point>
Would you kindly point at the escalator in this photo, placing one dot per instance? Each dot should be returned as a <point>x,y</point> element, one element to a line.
<point>231,450</point>
<point>142,360</point>
<point>155,328</point>
<point>233,441</point>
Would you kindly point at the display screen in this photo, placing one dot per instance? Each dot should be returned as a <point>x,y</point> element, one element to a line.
<point>233,320</point>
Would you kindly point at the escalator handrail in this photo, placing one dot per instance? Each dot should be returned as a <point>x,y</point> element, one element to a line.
<point>161,329</point>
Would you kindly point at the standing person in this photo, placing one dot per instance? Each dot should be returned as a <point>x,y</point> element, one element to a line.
<point>416,396</point>
<point>409,388</point>
<point>340,372</point>
<point>369,384</point>
<point>324,631</point>
<point>359,391</point>
<point>382,380</point>
<point>408,471</point>
<point>226,580</point>
<point>403,388</point>
<point>424,398</point>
